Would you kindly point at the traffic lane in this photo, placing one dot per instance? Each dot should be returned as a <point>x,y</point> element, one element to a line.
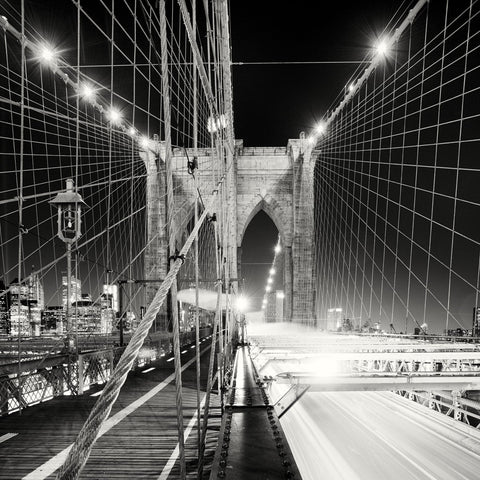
<point>367,435</point>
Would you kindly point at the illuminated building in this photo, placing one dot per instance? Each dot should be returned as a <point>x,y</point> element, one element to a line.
<point>19,309</point>
<point>86,316</point>
<point>4,317</point>
<point>112,292</point>
<point>53,320</point>
<point>334,319</point>
<point>75,290</point>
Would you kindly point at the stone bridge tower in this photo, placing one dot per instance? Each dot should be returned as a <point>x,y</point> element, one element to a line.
<point>277,180</point>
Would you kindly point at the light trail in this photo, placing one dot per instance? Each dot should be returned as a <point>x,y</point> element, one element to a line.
<point>364,435</point>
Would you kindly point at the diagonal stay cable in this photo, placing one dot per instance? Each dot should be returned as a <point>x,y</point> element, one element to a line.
<point>81,449</point>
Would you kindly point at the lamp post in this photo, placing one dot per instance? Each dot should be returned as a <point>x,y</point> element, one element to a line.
<point>69,207</point>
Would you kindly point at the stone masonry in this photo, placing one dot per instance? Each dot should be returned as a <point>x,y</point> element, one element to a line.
<point>278,180</point>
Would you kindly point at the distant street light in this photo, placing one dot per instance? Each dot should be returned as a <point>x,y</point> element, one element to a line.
<point>242,304</point>
<point>278,248</point>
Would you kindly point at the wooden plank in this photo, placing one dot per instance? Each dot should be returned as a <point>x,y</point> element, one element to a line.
<point>137,447</point>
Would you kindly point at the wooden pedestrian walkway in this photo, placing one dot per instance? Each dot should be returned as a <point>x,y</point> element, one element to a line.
<point>138,440</point>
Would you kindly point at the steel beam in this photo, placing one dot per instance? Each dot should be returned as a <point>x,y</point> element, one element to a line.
<point>371,382</point>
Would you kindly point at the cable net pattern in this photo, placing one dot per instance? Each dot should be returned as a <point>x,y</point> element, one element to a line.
<point>93,112</point>
<point>396,195</point>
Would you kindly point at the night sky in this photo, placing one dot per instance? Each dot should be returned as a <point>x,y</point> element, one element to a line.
<point>273,103</point>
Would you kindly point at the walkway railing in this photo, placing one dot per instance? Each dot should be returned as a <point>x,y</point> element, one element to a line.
<point>37,380</point>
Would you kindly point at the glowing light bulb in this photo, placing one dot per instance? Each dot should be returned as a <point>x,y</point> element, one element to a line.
<point>272,271</point>
<point>270,280</point>
<point>278,248</point>
<point>242,304</point>
<point>268,288</point>
<point>47,54</point>
<point>144,142</point>
<point>311,140</point>
<point>114,116</point>
<point>351,87</point>
<point>132,131</point>
<point>321,128</point>
<point>87,92</point>
<point>382,48</point>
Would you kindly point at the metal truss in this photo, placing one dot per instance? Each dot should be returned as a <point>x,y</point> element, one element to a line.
<point>452,404</point>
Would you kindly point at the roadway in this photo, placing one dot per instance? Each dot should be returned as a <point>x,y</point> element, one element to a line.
<point>378,435</point>
<point>363,435</point>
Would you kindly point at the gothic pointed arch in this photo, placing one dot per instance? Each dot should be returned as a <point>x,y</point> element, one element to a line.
<point>273,209</point>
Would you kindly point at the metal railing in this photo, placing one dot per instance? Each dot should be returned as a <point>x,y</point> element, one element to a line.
<point>451,404</point>
<point>35,380</point>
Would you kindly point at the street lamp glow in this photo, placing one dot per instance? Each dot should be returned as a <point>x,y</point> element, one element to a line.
<point>272,271</point>
<point>270,280</point>
<point>132,131</point>
<point>278,248</point>
<point>382,48</point>
<point>351,87</point>
<point>144,142</point>
<point>268,288</point>
<point>114,116</point>
<point>87,92</point>
<point>280,295</point>
<point>321,128</point>
<point>242,304</point>
<point>47,54</point>
<point>311,140</point>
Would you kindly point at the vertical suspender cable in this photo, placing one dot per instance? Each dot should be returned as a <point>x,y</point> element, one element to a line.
<point>389,182</point>
<point>197,310</point>
<point>401,189</point>
<point>197,323</point>
<point>434,181</point>
<point>417,162</point>
<point>231,189</point>
<point>20,193</point>
<point>171,233</point>
<point>77,157</point>
<point>110,146</point>
<point>457,166</point>
<point>132,171</point>
<point>211,364</point>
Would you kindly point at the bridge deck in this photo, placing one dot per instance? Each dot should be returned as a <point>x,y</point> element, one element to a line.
<point>138,439</point>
